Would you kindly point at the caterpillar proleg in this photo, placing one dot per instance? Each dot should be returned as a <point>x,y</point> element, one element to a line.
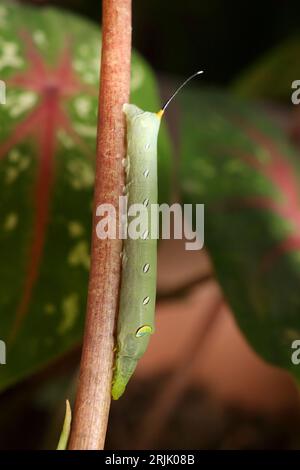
<point>138,284</point>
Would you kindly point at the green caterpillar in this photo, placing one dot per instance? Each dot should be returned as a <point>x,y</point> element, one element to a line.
<point>139,258</point>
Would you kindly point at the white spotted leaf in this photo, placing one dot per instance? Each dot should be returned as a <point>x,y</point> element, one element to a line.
<point>49,61</point>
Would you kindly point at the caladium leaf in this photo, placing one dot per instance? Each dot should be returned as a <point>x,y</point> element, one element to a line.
<point>242,167</point>
<point>50,63</point>
<point>273,74</point>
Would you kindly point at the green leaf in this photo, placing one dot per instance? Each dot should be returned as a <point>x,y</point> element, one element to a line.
<point>241,166</point>
<point>273,74</point>
<point>64,437</point>
<point>49,60</point>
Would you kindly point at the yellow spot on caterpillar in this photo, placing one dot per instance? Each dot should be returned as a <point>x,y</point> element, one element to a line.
<point>160,113</point>
<point>70,311</point>
<point>143,331</point>
<point>11,222</point>
<point>79,255</point>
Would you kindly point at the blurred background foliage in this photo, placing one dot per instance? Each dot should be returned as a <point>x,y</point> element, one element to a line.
<point>249,51</point>
<point>225,37</point>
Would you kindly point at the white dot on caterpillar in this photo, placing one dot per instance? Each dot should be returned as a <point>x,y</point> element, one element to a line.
<point>146,267</point>
<point>146,202</point>
<point>146,173</point>
<point>145,234</point>
<point>146,300</point>
<point>147,146</point>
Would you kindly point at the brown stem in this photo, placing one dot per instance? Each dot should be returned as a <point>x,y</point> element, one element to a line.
<point>93,394</point>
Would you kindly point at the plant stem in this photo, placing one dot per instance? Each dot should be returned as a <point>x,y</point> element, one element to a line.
<point>94,388</point>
